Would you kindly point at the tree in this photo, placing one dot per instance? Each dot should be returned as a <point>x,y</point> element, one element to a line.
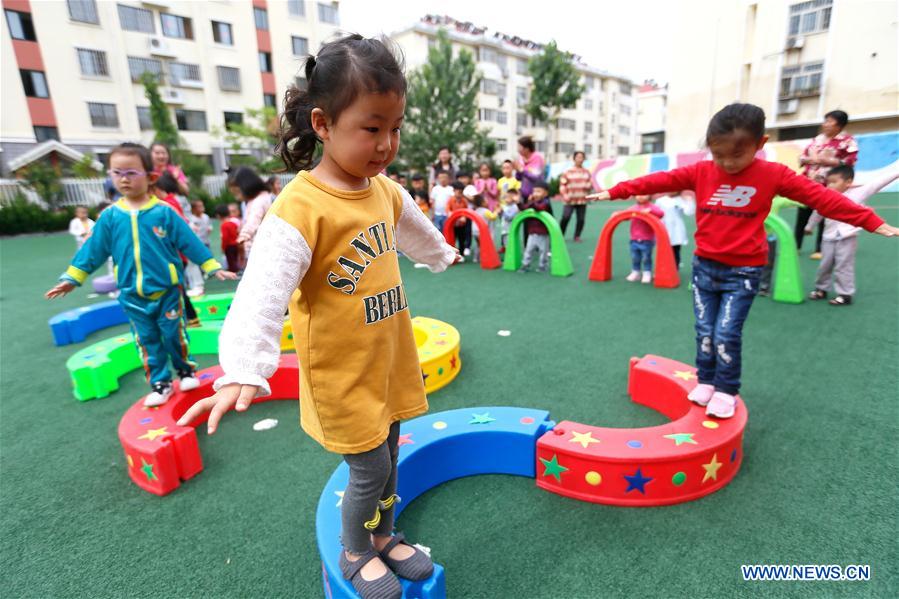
<point>84,168</point>
<point>259,134</point>
<point>442,110</point>
<point>556,87</point>
<point>43,178</point>
<point>166,132</point>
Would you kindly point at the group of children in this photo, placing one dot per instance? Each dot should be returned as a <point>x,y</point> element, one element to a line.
<point>327,252</point>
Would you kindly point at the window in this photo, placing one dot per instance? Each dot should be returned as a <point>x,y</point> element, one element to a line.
<point>588,150</point>
<point>301,83</point>
<point>20,25</point>
<point>589,81</point>
<point>625,88</point>
<point>138,66</point>
<point>564,148</point>
<point>190,120</point>
<point>265,62</point>
<point>84,11</point>
<point>487,114</point>
<point>521,119</point>
<point>624,109</point>
<point>521,95</point>
<point>502,117</point>
<point>801,80</point>
<point>489,86</point>
<point>35,84</point>
<point>300,45</point>
<point>221,33</point>
<point>233,118</point>
<point>588,104</point>
<point>270,100</point>
<point>486,54</point>
<point>46,133</point>
<point>103,115</point>
<point>92,62</point>
<point>599,130</point>
<point>327,13</point>
<point>567,124</point>
<point>623,150</point>
<point>588,127</point>
<point>541,146</point>
<point>182,72</point>
<point>501,144</point>
<point>624,130</point>
<point>261,17</point>
<point>296,8</point>
<point>599,150</point>
<point>810,17</point>
<point>521,66</point>
<point>175,26</point>
<point>229,79</point>
<point>144,120</point>
<point>136,19</point>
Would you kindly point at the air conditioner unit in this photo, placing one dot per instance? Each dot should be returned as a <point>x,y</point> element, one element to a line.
<point>159,46</point>
<point>789,106</point>
<point>795,43</point>
<point>172,96</point>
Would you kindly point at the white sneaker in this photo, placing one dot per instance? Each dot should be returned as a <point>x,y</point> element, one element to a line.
<point>635,274</point>
<point>721,405</point>
<point>189,383</point>
<point>701,394</point>
<point>467,252</point>
<point>647,277</point>
<point>195,292</point>
<point>461,259</point>
<point>161,394</point>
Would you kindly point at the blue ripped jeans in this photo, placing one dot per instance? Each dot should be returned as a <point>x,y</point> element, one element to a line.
<point>722,296</point>
<point>641,255</point>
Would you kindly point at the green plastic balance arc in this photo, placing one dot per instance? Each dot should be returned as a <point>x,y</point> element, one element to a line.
<point>214,306</point>
<point>787,276</point>
<point>559,261</point>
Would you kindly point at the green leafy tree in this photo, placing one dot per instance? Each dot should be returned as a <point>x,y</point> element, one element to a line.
<point>556,87</point>
<point>160,115</point>
<point>259,134</point>
<point>43,179</point>
<point>442,110</point>
<point>84,168</point>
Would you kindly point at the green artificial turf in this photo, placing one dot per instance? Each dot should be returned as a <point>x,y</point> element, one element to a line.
<point>817,485</point>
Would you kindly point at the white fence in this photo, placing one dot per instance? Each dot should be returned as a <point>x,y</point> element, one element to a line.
<point>90,192</point>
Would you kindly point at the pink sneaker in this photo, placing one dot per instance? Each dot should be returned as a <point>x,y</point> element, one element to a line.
<point>701,394</point>
<point>721,405</point>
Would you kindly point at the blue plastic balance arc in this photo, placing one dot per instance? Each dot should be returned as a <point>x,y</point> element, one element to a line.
<point>73,326</point>
<point>434,449</point>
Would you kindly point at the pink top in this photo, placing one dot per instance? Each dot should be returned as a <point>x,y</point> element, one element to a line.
<point>640,231</point>
<point>533,164</point>
<point>487,188</point>
<point>175,172</point>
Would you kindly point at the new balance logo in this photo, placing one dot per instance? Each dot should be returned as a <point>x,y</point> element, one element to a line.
<point>732,197</point>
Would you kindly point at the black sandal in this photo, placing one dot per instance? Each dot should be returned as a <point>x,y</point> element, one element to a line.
<point>817,294</point>
<point>841,300</point>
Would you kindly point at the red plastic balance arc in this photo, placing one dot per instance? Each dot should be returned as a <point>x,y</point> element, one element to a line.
<point>665,275</point>
<point>489,256</point>
<point>160,454</point>
<point>687,458</point>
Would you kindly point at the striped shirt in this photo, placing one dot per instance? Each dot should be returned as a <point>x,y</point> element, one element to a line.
<point>575,184</point>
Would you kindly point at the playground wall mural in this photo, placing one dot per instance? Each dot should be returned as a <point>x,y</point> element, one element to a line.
<point>878,153</point>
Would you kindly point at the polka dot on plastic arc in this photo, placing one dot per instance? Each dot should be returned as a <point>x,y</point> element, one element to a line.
<point>710,424</point>
<point>439,425</point>
<point>527,420</point>
<point>593,478</point>
<point>634,444</point>
<point>679,478</point>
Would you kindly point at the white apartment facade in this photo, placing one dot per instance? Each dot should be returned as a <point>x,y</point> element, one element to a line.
<point>798,60</point>
<point>652,100</point>
<point>603,124</point>
<point>71,69</point>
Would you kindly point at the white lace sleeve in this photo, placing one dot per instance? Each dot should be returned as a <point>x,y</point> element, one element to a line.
<point>250,341</point>
<point>418,238</point>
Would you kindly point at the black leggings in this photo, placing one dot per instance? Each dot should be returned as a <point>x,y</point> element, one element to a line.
<point>580,211</point>
<point>463,235</point>
<point>802,216</point>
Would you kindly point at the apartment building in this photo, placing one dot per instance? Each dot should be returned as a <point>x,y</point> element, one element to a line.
<point>797,60</point>
<point>71,69</point>
<point>652,101</point>
<point>603,124</point>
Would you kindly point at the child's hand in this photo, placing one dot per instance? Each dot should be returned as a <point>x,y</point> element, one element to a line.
<point>458,257</point>
<point>599,197</point>
<point>807,231</point>
<point>225,275</point>
<point>61,288</point>
<point>219,404</point>
<point>887,230</point>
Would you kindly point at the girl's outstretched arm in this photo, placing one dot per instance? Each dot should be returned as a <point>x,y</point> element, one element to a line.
<point>418,238</point>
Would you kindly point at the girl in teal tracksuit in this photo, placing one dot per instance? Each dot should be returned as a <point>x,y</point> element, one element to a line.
<point>144,237</point>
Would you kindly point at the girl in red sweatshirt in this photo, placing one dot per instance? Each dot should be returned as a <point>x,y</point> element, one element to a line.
<point>734,191</point>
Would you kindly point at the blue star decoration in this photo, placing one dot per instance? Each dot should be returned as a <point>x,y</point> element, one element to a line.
<point>636,482</point>
<point>481,418</point>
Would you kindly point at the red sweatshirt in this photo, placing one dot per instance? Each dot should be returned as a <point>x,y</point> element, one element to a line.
<point>731,209</point>
<point>229,229</point>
